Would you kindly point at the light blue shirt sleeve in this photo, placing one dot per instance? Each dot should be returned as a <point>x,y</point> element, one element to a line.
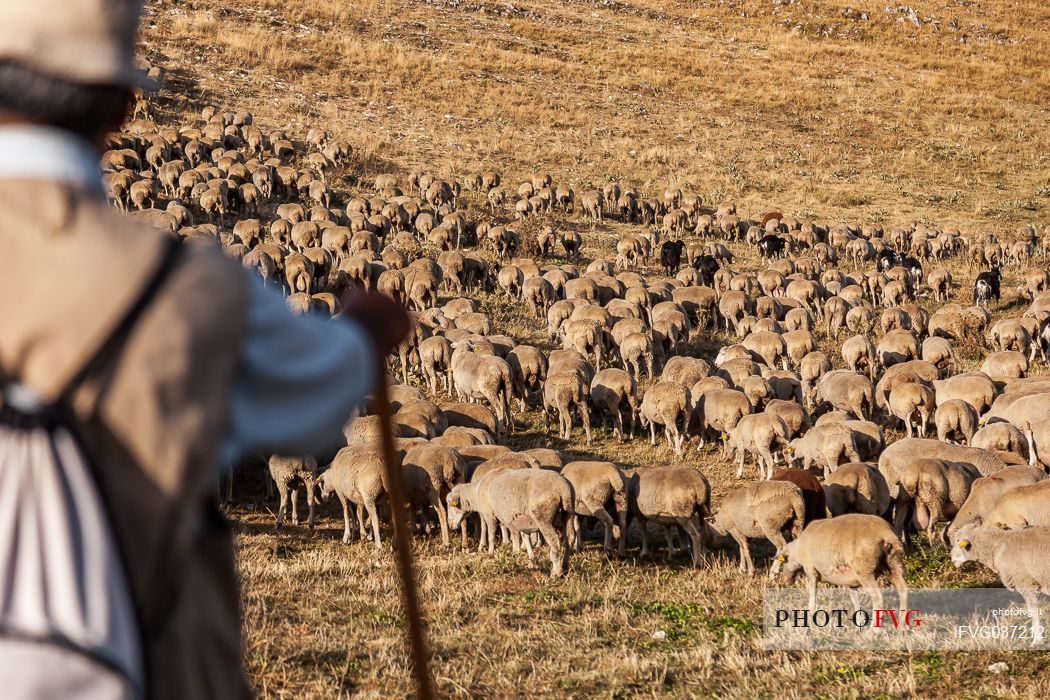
<point>299,380</point>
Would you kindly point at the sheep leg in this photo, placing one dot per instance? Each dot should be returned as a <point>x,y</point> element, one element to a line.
<point>282,508</point>
<point>668,535</point>
<point>557,544</point>
<point>360,508</point>
<point>811,589</point>
<point>645,536</point>
<point>696,538</point>
<point>610,527</point>
<point>1031,600</point>
<point>294,493</point>
<point>346,519</point>
<point>585,417</point>
<point>439,507</point>
<point>1029,436</point>
<point>370,505</point>
<point>311,502</point>
<point>747,564</point>
<point>871,588</point>
<point>527,541</point>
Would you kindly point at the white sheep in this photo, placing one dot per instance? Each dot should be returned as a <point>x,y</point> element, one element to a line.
<point>1021,558</point>
<point>850,550</point>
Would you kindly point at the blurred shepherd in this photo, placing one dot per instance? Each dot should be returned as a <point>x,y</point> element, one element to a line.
<point>131,368</point>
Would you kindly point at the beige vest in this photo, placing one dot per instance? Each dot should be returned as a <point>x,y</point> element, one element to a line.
<point>151,420</point>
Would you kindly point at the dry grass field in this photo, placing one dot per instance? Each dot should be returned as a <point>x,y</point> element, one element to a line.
<point>818,108</point>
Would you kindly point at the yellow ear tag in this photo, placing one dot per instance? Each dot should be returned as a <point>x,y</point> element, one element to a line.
<point>964,543</point>
<point>724,436</point>
<point>781,558</point>
<point>454,504</point>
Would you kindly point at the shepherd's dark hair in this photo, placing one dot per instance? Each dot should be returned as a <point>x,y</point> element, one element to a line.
<point>85,110</point>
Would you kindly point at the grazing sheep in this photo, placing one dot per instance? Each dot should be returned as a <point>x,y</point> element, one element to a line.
<point>528,369</point>
<point>1021,558</point>
<point>1001,436</point>
<point>986,492</point>
<point>478,376</point>
<point>826,445</point>
<point>430,472</point>
<point>760,434</point>
<point>667,404</point>
<point>566,394</point>
<point>929,491</point>
<point>846,391</point>
<point>524,501</point>
<point>612,392</point>
<point>670,496</point>
<point>897,455</point>
<point>812,491</point>
<point>600,486</point>
<point>911,399</point>
<point>291,473</point>
<point>356,476</point>
<point>765,509</point>
<point>955,417</point>
<point>850,550</point>
<point>1022,506</point>
<point>857,487</point>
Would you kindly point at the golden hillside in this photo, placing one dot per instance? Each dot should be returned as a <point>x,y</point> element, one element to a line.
<point>820,108</point>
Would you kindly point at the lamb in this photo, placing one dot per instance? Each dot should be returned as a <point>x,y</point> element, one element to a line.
<point>1022,506</point>
<point>764,509</point>
<point>667,404</point>
<point>929,491</point>
<point>670,496</point>
<point>851,550</point>
<point>1021,558</point>
<point>957,417</point>
<point>290,473</point>
<point>857,487</point>
<point>430,472</point>
<point>524,501</point>
<point>356,476</point>
<point>566,393</point>
<point>614,391</point>
<point>478,376</point>
<point>599,485</point>
<point>986,492</point>
<point>826,445</point>
<point>759,434</point>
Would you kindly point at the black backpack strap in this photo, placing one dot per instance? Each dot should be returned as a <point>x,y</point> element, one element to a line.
<point>169,258</point>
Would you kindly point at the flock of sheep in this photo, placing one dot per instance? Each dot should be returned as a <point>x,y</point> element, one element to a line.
<point>836,501</point>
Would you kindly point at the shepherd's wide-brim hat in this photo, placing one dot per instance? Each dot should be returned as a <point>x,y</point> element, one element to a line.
<point>90,42</point>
